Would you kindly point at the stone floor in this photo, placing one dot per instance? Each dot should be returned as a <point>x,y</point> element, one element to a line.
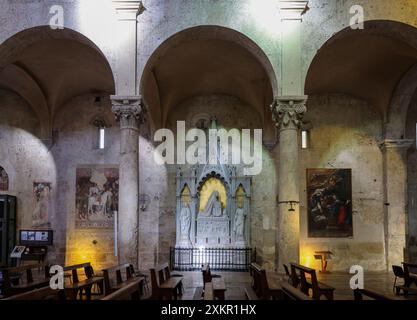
<point>236,282</point>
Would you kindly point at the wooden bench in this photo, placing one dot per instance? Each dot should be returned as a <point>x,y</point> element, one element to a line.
<point>77,287</point>
<point>13,277</point>
<point>409,279</point>
<point>122,280</point>
<point>298,273</point>
<point>250,294</point>
<point>217,282</point>
<point>360,293</point>
<point>164,285</point>
<point>208,291</point>
<point>45,293</point>
<point>291,293</point>
<point>128,292</point>
<point>260,285</point>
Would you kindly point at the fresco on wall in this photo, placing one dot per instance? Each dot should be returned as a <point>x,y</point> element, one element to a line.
<point>4,180</point>
<point>329,197</point>
<point>42,202</point>
<point>97,194</point>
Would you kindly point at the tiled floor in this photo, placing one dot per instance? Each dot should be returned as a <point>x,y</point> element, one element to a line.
<point>236,282</point>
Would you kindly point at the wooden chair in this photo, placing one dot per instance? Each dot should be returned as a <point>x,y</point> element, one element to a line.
<point>78,288</point>
<point>111,285</point>
<point>164,287</point>
<point>263,290</point>
<point>318,288</point>
<point>18,280</point>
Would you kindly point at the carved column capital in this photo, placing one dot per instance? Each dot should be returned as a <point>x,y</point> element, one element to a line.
<point>403,144</point>
<point>287,112</point>
<point>129,111</point>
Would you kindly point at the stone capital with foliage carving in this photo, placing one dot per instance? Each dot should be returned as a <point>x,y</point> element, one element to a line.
<point>287,112</point>
<point>129,111</point>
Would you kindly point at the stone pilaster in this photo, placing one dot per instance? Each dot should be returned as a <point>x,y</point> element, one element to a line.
<point>127,12</point>
<point>395,198</point>
<point>130,114</point>
<point>287,114</point>
<point>291,13</point>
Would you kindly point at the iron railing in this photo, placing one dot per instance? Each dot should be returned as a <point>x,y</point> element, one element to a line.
<point>220,259</point>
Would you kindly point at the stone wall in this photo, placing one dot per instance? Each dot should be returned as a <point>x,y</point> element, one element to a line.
<point>345,134</point>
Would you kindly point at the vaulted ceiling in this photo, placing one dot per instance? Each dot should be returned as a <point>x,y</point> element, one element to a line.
<point>204,64</point>
<point>47,71</point>
<point>367,64</point>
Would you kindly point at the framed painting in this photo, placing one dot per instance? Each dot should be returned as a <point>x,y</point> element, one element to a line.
<point>329,203</point>
<point>97,196</point>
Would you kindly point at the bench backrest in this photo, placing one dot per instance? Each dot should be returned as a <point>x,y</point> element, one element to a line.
<point>260,282</point>
<point>117,270</point>
<point>205,269</point>
<point>129,292</point>
<point>291,293</point>
<point>407,267</point>
<point>159,275</point>
<point>359,293</point>
<point>301,271</point>
<point>45,293</point>
<point>88,270</point>
<point>27,270</point>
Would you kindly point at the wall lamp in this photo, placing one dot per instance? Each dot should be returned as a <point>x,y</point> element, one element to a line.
<point>291,203</point>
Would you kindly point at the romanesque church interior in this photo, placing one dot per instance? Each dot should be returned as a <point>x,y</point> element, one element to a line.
<point>208,150</point>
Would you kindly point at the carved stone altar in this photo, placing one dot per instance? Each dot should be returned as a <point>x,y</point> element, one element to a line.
<point>219,207</point>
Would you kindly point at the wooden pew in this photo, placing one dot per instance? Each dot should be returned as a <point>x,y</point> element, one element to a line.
<point>45,293</point>
<point>127,292</point>
<point>12,279</point>
<point>78,287</point>
<point>250,294</point>
<point>208,291</point>
<point>165,286</point>
<point>360,293</point>
<point>262,288</point>
<point>217,282</point>
<point>409,279</point>
<point>120,281</point>
<point>318,288</point>
<point>291,293</point>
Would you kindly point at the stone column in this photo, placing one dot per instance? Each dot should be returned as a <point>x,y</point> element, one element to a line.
<point>287,114</point>
<point>287,111</point>
<point>395,198</point>
<point>130,114</point>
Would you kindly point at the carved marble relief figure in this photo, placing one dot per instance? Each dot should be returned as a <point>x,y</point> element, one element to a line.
<point>240,217</point>
<point>185,218</point>
<point>214,206</point>
<point>4,180</point>
<point>40,214</point>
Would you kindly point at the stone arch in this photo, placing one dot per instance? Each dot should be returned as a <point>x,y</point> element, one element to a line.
<point>199,43</point>
<point>48,67</point>
<point>379,56</point>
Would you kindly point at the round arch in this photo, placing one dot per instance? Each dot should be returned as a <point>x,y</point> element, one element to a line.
<point>207,58</point>
<point>48,67</point>
<point>368,64</point>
